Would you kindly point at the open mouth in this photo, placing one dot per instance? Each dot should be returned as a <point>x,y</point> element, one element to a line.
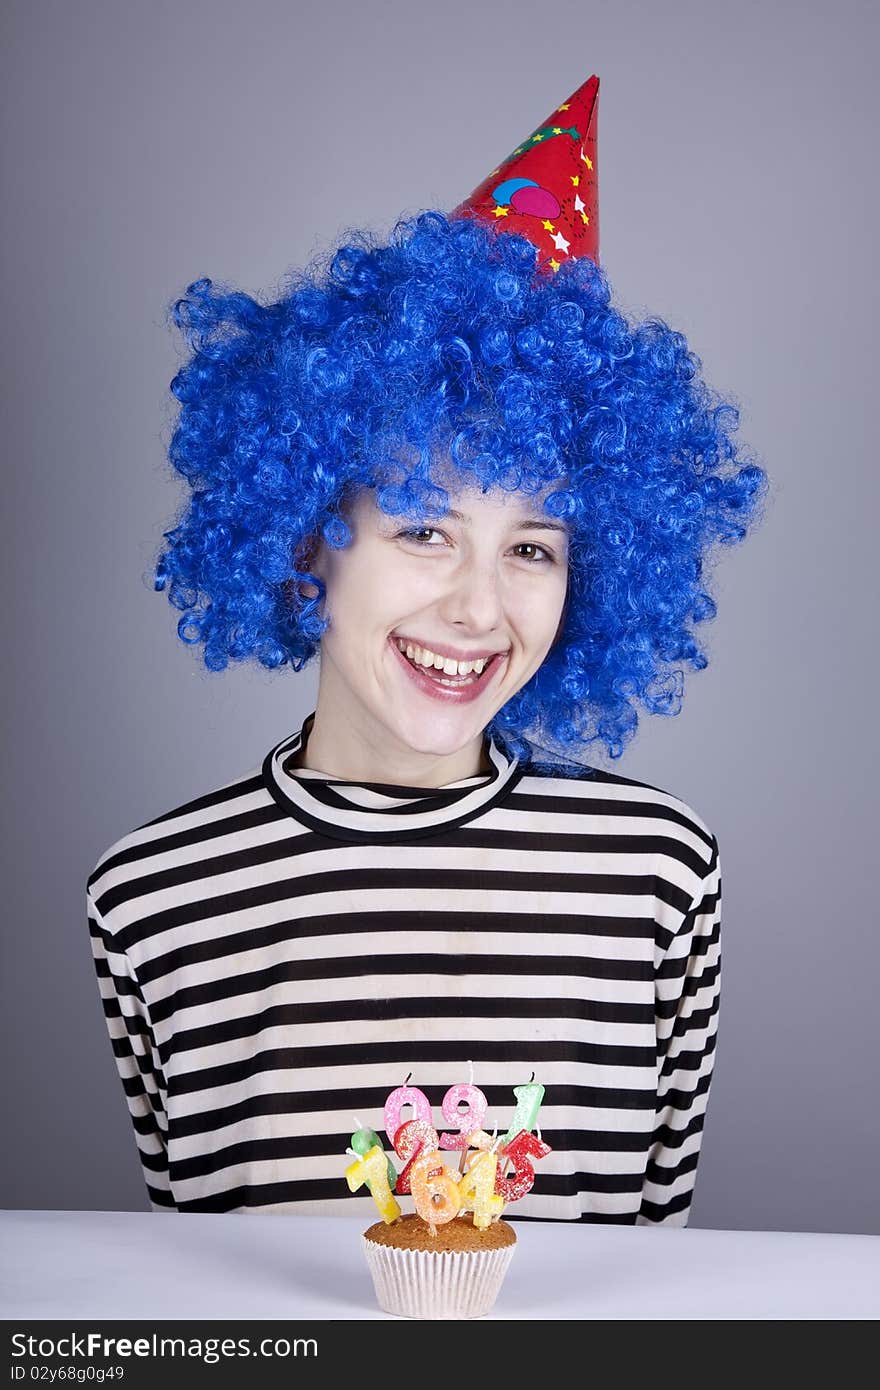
<point>451,678</point>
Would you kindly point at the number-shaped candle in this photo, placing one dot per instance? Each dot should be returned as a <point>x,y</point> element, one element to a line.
<point>477,1189</point>
<point>363,1140</point>
<point>480,1140</point>
<point>465,1121</point>
<point>412,1138</point>
<point>434,1189</point>
<point>372,1169</point>
<point>405,1095</point>
<point>521,1151</point>
<point>528,1103</point>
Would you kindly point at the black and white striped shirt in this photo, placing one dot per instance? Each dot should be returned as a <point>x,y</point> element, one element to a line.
<point>274,958</point>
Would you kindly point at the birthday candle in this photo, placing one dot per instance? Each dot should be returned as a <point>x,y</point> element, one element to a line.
<point>466,1121</point>
<point>477,1189</point>
<point>480,1139</point>
<point>434,1189</point>
<point>521,1150</point>
<point>405,1095</point>
<point>528,1103</point>
<point>372,1169</point>
<point>412,1138</point>
<point>363,1140</point>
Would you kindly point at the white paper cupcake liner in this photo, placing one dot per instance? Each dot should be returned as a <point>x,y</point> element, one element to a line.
<point>441,1284</point>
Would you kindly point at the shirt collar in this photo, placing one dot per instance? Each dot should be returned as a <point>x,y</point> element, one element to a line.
<point>346,810</point>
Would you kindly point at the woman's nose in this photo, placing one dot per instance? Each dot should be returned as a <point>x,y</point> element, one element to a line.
<point>474,599</point>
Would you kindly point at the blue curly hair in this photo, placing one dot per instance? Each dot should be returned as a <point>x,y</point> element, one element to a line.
<point>447,339</point>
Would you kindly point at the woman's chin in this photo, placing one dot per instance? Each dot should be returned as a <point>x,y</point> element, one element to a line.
<point>436,733</point>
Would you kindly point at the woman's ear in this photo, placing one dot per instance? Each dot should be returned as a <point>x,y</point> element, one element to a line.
<point>306,557</point>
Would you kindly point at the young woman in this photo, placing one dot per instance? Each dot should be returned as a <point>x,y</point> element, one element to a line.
<point>483,501</point>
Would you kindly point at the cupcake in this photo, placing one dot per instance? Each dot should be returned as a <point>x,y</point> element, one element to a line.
<point>448,1259</point>
<point>454,1273</point>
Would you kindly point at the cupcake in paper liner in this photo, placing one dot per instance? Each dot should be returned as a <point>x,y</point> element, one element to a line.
<point>455,1273</point>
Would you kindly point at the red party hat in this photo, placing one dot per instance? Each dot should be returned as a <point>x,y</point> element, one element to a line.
<point>547,189</point>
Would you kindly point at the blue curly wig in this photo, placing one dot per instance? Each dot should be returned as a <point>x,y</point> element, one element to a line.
<point>448,337</point>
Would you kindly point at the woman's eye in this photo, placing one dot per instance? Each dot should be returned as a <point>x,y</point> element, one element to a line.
<point>541,555</point>
<point>418,534</point>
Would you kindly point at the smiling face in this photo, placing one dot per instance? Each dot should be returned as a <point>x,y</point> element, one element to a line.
<point>410,600</point>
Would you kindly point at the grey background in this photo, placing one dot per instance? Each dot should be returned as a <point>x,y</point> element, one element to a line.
<point>145,145</point>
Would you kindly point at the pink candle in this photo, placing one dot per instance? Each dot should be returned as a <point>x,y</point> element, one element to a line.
<point>405,1095</point>
<point>467,1120</point>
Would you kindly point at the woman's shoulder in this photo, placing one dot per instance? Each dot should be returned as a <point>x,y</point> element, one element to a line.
<point>178,834</point>
<point>637,807</point>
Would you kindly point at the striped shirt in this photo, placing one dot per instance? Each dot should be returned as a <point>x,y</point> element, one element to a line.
<point>276,956</point>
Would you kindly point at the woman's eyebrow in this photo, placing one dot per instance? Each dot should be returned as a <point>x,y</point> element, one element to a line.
<point>537,524</point>
<point>525,524</point>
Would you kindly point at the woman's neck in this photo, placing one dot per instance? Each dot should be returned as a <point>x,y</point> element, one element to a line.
<point>344,752</point>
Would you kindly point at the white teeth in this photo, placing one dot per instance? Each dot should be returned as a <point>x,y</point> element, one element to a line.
<point>422,656</point>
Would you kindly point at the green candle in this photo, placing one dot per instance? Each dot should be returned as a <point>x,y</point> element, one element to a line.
<point>528,1103</point>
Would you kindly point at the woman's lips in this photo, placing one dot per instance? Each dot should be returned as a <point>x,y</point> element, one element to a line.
<point>459,695</point>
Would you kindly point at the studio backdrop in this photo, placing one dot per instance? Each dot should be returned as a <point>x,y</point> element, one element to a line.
<point>146,146</point>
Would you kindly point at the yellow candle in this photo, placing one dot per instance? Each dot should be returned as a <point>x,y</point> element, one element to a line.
<point>477,1188</point>
<point>479,1139</point>
<point>372,1169</point>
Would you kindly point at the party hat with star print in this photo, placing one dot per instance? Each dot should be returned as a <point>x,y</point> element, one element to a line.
<point>547,189</point>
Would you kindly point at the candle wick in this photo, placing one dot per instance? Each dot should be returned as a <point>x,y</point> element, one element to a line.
<point>353,1153</point>
<point>407,1081</point>
<point>531,1078</point>
<point>357,1123</point>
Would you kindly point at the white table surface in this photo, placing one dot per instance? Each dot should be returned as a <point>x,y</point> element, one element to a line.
<point>154,1265</point>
